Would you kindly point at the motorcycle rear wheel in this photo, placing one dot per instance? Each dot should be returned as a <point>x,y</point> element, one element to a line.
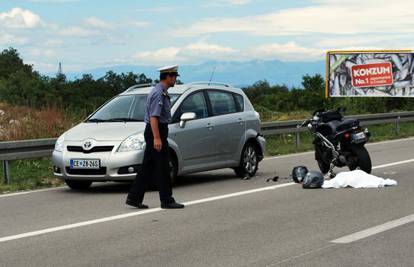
<point>362,157</point>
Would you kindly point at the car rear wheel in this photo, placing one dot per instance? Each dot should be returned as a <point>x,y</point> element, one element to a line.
<point>249,161</point>
<point>78,185</point>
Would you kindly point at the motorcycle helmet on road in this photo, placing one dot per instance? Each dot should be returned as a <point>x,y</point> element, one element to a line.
<point>313,179</point>
<point>298,173</point>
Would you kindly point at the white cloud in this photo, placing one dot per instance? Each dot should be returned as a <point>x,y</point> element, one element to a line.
<point>161,9</point>
<point>19,18</point>
<point>42,53</point>
<point>286,52</point>
<point>163,55</point>
<point>138,24</point>
<point>201,51</point>
<point>43,66</point>
<point>52,1</point>
<point>193,52</point>
<point>328,17</point>
<point>53,42</point>
<point>221,3</point>
<point>77,31</point>
<point>9,39</point>
<point>97,23</point>
<point>239,2</point>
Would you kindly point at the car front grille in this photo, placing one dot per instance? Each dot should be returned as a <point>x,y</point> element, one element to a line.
<point>94,149</point>
<point>100,171</point>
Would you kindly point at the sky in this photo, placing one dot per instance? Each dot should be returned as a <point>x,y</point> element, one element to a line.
<point>87,34</point>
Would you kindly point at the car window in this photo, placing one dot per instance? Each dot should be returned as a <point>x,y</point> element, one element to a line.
<point>195,103</point>
<point>119,107</point>
<point>222,103</point>
<point>126,107</point>
<point>239,102</point>
<point>139,107</point>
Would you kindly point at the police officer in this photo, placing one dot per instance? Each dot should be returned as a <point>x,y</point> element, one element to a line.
<point>155,163</point>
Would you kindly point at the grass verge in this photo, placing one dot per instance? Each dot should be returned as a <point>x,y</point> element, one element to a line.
<point>29,174</point>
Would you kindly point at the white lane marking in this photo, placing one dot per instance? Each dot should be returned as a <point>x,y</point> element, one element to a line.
<point>132,214</point>
<point>393,164</point>
<point>31,191</point>
<point>374,230</point>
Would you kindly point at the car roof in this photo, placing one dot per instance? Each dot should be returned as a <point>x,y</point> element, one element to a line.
<point>181,88</point>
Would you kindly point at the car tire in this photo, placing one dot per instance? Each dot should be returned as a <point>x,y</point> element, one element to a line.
<point>249,161</point>
<point>78,185</point>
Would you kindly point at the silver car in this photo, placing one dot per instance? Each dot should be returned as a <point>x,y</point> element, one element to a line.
<point>213,126</point>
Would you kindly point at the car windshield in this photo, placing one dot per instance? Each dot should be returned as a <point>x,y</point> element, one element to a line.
<point>124,108</point>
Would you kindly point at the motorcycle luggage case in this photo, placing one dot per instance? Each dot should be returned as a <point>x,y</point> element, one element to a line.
<point>347,124</point>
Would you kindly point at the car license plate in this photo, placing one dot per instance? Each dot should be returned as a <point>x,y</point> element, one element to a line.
<point>359,137</point>
<point>85,163</point>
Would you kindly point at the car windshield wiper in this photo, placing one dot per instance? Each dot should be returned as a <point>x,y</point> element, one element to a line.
<point>122,119</point>
<point>96,120</point>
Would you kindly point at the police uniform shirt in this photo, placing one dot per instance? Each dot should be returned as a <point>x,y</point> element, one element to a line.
<point>158,105</point>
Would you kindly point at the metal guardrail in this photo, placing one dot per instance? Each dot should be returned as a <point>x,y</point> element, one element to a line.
<point>269,128</point>
<point>27,149</point>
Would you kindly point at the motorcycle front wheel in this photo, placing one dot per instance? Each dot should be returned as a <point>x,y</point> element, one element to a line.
<point>362,159</point>
<point>324,167</point>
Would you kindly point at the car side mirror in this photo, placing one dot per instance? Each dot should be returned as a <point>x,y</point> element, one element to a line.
<point>188,116</point>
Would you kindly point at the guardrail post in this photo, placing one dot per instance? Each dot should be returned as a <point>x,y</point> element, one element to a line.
<point>297,138</point>
<point>397,125</point>
<point>6,172</point>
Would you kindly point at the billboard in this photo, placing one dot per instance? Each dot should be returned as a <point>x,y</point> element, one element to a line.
<point>370,73</point>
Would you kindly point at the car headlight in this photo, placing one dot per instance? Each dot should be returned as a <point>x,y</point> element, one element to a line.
<point>59,143</point>
<point>133,142</point>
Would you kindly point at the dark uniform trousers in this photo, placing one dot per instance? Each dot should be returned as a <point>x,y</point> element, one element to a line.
<point>155,167</point>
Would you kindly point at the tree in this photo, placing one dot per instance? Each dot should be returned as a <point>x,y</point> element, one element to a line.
<point>10,62</point>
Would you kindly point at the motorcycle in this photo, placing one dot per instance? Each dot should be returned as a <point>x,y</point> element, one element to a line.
<point>338,141</point>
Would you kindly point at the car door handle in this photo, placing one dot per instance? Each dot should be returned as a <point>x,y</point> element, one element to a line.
<point>240,121</point>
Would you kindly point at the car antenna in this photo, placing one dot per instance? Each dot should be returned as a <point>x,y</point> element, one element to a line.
<point>212,74</point>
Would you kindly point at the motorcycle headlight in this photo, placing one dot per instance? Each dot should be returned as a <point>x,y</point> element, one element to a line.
<point>59,143</point>
<point>133,142</point>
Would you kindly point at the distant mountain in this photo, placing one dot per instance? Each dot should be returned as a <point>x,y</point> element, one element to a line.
<point>232,72</point>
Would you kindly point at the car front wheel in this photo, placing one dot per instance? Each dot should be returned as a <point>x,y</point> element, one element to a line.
<point>249,161</point>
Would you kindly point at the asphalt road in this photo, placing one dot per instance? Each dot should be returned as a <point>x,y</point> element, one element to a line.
<point>227,221</point>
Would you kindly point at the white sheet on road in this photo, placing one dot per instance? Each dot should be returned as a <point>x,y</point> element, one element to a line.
<point>357,179</point>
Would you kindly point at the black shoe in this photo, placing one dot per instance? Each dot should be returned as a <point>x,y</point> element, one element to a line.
<point>172,205</point>
<point>137,205</point>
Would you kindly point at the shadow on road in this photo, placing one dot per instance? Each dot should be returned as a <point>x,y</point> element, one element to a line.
<point>182,181</point>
